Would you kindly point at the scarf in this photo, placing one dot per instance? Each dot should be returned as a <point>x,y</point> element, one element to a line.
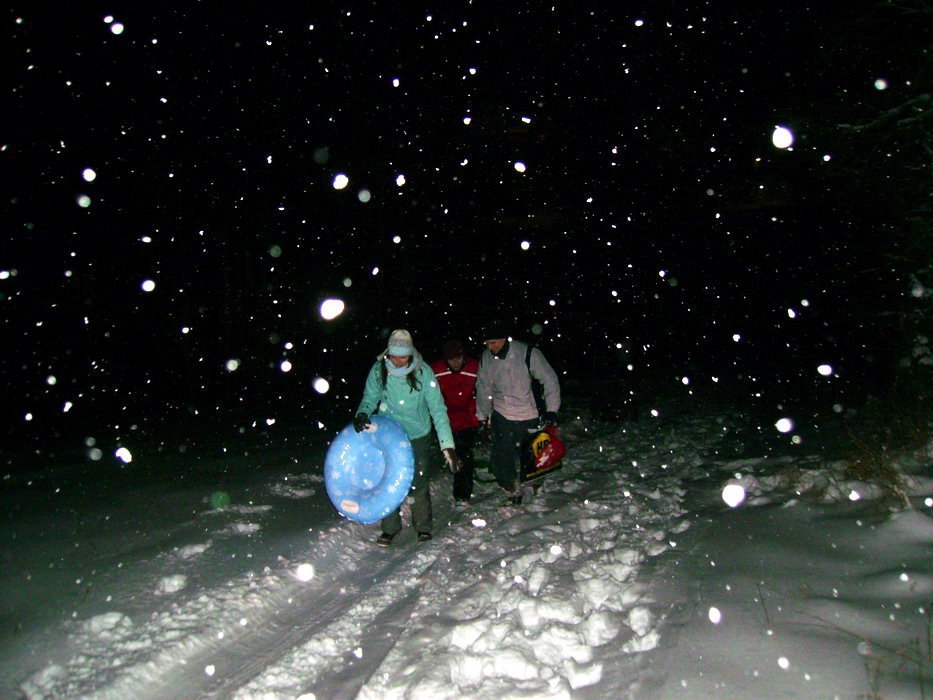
<point>402,371</point>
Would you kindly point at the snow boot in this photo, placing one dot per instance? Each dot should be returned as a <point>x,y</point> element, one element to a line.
<point>512,499</point>
<point>520,496</point>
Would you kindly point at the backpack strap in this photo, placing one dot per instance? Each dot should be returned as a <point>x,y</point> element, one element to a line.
<point>537,388</point>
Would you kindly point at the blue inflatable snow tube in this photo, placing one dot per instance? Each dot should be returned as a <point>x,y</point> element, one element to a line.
<point>368,474</point>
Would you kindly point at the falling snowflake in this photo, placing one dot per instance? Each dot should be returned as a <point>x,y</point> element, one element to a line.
<point>331,309</point>
<point>782,137</point>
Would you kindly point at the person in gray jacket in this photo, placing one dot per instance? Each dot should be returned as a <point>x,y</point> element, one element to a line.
<point>505,401</point>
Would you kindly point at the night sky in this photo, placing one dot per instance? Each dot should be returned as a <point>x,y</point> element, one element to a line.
<point>652,207</point>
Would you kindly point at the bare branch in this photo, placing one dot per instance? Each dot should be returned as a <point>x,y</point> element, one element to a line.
<point>892,114</point>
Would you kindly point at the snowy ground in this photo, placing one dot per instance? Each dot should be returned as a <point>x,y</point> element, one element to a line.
<point>628,576</point>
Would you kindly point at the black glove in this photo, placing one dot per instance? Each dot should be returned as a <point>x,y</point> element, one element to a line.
<point>360,422</point>
<point>550,418</point>
<point>453,461</point>
<point>485,431</point>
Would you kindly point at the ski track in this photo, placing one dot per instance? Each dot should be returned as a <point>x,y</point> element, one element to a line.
<point>468,602</point>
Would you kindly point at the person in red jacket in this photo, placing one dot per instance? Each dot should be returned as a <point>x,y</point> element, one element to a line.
<point>456,374</point>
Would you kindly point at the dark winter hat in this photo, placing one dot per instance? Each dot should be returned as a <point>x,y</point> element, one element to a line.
<point>452,349</point>
<point>495,330</point>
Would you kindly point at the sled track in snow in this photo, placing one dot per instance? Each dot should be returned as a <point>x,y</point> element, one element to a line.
<point>292,620</point>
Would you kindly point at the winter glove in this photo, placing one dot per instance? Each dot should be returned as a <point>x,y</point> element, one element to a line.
<point>360,422</point>
<point>550,418</point>
<point>453,461</point>
<point>485,431</point>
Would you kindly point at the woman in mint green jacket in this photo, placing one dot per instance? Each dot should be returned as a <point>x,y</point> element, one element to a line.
<point>402,386</point>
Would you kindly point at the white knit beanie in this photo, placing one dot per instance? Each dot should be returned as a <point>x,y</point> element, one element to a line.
<point>400,344</point>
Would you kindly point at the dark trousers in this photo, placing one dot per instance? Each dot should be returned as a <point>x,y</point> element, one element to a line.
<point>463,479</point>
<point>421,514</point>
<point>507,437</point>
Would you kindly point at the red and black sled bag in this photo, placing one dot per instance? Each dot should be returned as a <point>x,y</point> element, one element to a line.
<point>542,452</point>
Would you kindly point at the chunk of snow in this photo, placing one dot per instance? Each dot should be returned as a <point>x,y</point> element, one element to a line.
<point>172,584</point>
<point>106,624</point>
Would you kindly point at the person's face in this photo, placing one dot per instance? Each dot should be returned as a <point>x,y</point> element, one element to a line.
<point>495,345</point>
<point>455,363</point>
<point>399,361</point>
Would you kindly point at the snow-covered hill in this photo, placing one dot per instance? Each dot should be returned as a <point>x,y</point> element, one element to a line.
<point>627,576</point>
